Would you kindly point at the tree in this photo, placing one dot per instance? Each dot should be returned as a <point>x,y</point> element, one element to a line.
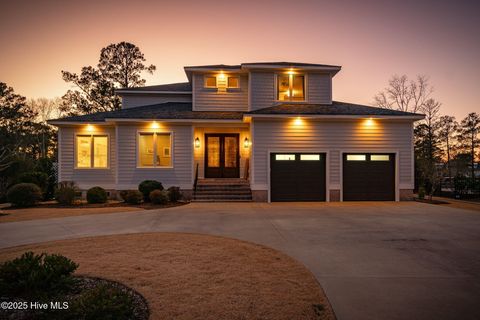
<point>120,66</point>
<point>46,109</point>
<point>469,139</point>
<point>403,94</point>
<point>447,130</point>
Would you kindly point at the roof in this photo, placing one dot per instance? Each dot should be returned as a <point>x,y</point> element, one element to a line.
<point>169,110</point>
<point>335,109</point>
<point>175,87</point>
<point>215,66</point>
<point>289,64</point>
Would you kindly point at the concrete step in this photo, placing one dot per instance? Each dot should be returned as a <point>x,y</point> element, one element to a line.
<point>220,200</point>
<point>225,192</point>
<point>220,188</point>
<point>222,197</point>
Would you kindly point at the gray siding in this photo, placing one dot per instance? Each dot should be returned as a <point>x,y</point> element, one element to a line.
<point>137,100</point>
<point>333,137</point>
<point>129,175</point>
<point>262,91</point>
<point>319,88</point>
<point>85,178</point>
<point>209,99</point>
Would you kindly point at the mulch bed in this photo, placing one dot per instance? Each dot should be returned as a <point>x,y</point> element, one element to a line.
<point>433,201</point>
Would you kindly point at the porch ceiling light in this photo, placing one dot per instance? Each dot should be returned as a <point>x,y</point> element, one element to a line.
<point>246,143</point>
<point>197,143</point>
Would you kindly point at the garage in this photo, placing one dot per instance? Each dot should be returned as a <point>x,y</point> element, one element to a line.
<point>297,176</point>
<point>369,177</point>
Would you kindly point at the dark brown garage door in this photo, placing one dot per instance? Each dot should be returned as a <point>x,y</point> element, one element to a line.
<point>297,176</point>
<point>368,177</point>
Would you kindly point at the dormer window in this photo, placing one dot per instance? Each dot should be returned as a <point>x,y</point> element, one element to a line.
<point>210,82</point>
<point>290,87</point>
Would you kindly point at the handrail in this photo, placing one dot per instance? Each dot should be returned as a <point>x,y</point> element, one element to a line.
<point>196,180</point>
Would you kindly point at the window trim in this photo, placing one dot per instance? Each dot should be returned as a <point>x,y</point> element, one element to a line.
<point>137,152</point>
<point>205,81</point>
<point>305,91</point>
<point>233,76</point>
<point>91,134</point>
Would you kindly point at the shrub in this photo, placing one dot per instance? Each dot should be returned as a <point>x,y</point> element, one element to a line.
<point>174,194</point>
<point>421,192</point>
<point>104,301</point>
<point>24,194</point>
<point>37,275</point>
<point>147,186</point>
<point>65,193</point>
<point>158,197</point>
<point>133,197</point>
<point>35,177</point>
<point>123,195</point>
<point>96,195</point>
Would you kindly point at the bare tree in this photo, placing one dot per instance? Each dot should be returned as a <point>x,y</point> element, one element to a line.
<point>47,109</point>
<point>448,128</point>
<point>403,94</point>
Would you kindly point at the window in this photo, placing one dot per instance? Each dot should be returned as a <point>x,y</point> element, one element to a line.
<point>210,82</point>
<point>154,149</point>
<point>291,87</point>
<point>309,157</point>
<point>91,151</point>
<point>380,157</point>
<point>233,82</point>
<point>285,157</point>
<point>356,157</point>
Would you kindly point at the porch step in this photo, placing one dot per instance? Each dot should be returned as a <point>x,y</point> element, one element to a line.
<point>222,190</point>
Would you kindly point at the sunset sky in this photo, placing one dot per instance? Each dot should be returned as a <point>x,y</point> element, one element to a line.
<point>372,40</point>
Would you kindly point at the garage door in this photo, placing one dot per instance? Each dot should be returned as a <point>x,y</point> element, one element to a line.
<point>368,177</point>
<point>297,176</point>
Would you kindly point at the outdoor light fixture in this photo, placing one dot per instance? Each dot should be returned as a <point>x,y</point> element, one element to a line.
<point>155,125</point>
<point>221,75</point>
<point>197,143</point>
<point>90,128</point>
<point>369,122</point>
<point>246,143</point>
<point>298,121</point>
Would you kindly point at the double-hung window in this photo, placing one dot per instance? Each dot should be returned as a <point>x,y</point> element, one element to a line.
<point>154,149</point>
<point>290,87</point>
<point>91,151</point>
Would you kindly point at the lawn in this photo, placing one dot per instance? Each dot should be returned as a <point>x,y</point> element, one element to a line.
<point>190,276</point>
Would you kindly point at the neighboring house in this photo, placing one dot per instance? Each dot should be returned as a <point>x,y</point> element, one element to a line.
<point>272,124</point>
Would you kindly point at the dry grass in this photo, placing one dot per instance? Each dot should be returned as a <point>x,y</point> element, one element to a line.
<point>189,276</point>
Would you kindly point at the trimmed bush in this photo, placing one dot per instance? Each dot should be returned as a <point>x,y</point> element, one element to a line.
<point>174,194</point>
<point>147,186</point>
<point>37,275</point>
<point>65,193</point>
<point>35,177</point>
<point>105,301</point>
<point>123,195</point>
<point>159,197</point>
<point>96,195</point>
<point>133,197</point>
<point>24,194</point>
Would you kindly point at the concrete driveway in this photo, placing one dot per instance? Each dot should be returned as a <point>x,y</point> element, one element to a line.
<point>374,260</point>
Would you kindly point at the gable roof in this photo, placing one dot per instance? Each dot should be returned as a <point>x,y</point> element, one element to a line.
<point>288,64</point>
<point>185,87</point>
<point>168,110</point>
<point>337,108</point>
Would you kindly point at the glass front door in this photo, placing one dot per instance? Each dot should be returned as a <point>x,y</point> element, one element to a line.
<point>222,156</point>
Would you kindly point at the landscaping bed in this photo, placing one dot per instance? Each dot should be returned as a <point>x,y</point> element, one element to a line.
<point>190,276</point>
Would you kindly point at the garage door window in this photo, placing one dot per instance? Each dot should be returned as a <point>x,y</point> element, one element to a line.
<point>309,157</point>
<point>285,157</point>
<point>380,157</point>
<point>356,157</point>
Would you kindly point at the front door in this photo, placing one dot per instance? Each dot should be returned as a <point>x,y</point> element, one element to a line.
<point>222,156</point>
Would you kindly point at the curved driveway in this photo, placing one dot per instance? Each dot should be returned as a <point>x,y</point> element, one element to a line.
<point>374,260</point>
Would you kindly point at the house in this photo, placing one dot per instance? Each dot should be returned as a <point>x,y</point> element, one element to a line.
<point>267,131</point>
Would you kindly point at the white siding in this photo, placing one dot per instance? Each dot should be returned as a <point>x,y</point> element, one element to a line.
<point>209,99</point>
<point>333,137</point>
<point>319,88</point>
<point>85,178</point>
<point>262,91</point>
<point>137,100</point>
<point>129,176</point>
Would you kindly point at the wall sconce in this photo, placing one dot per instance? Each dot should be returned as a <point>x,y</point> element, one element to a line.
<point>369,122</point>
<point>246,143</point>
<point>155,125</point>
<point>197,143</point>
<point>298,121</point>
<point>90,128</point>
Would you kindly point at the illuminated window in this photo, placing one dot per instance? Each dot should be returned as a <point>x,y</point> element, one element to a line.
<point>380,157</point>
<point>154,149</point>
<point>233,82</point>
<point>92,151</point>
<point>309,157</point>
<point>285,157</point>
<point>210,82</point>
<point>291,87</point>
<point>356,157</point>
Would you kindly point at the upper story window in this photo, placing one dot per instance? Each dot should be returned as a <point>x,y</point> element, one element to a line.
<point>233,82</point>
<point>91,151</point>
<point>154,149</point>
<point>290,87</point>
<point>210,82</point>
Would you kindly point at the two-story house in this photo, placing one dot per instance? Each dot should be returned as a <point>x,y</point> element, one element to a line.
<point>267,131</point>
